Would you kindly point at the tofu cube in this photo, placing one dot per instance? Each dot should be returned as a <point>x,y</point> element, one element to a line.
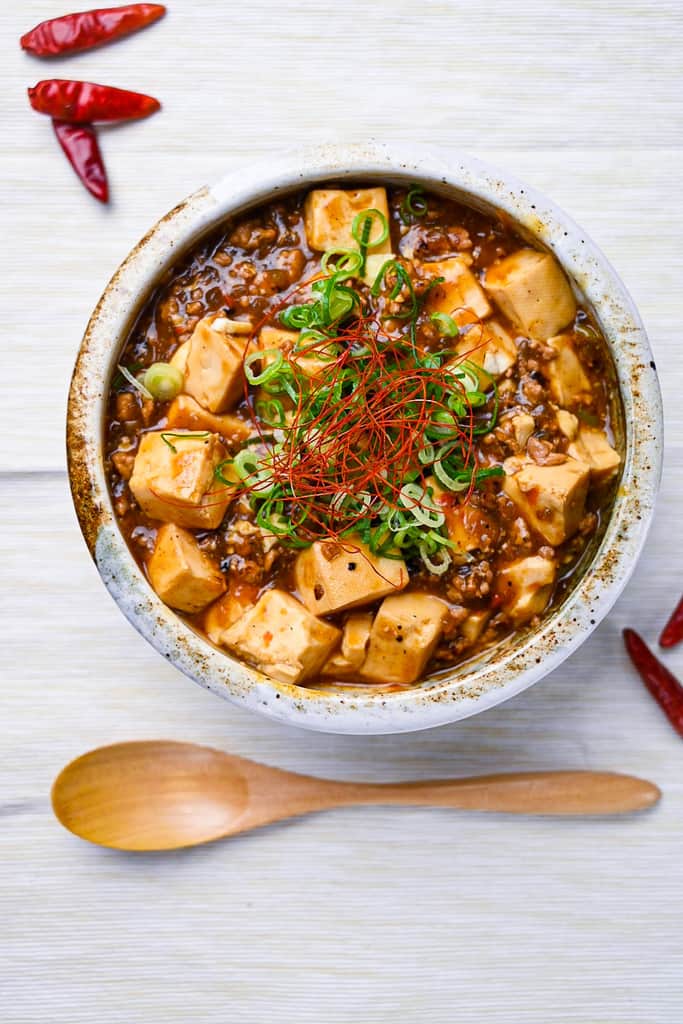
<point>569,426</point>
<point>374,261</point>
<point>569,383</point>
<point>179,357</point>
<point>593,448</point>
<point>403,637</point>
<point>550,498</point>
<point>458,293</point>
<point>226,611</point>
<point>333,575</point>
<point>469,527</point>
<point>186,413</point>
<point>531,290</point>
<point>488,346</point>
<point>354,644</point>
<point>312,365</point>
<point>215,363</point>
<point>281,638</point>
<point>183,576</point>
<point>473,626</point>
<point>525,587</point>
<point>173,478</point>
<point>329,215</point>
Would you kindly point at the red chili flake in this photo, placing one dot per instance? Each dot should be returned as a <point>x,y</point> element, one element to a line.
<point>87,102</point>
<point>661,683</point>
<point>84,30</point>
<point>672,633</point>
<point>80,145</point>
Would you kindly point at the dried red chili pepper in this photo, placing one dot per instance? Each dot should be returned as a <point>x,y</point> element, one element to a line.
<point>672,633</point>
<point>80,145</point>
<point>86,29</point>
<point>86,102</point>
<point>661,683</point>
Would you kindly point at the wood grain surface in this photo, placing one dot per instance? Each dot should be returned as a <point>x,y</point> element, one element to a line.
<point>365,914</point>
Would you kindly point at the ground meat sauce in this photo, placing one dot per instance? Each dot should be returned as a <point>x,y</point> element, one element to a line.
<point>519,538</point>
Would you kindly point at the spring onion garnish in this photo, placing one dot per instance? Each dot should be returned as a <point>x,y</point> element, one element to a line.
<point>446,324</point>
<point>163,381</point>
<point>334,303</point>
<point>167,434</point>
<point>362,231</point>
<point>363,226</point>
<point>414,205</point>
<point>369,443</point>
<point>348,261</point>
<point>272,360</point>
<point>137,384</point>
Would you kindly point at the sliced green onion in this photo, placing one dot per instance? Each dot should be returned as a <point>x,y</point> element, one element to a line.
<point>246,463</point>
<point>269,372</point>
<point>361,229</point>
<point>489,471</point>
<point>340,301</point>
<point>446,324</point>
<point>137,384</point>
<point>416,499</point>
<point>439,567</point>
<point>271,412</point>
<point>426,454</point>
<point>348,261</point>
<point>476,399</point>
<point>414,204</point>
<point>163,381</point>
<point>309,335</point>
<point>489,425</point>
<point>358,228</point>
<point>166,434</point>
<point>459,481</point>
<point>466,373</point>
<point>262,483</point>
<point>220,476</point>
<point>296,317</point>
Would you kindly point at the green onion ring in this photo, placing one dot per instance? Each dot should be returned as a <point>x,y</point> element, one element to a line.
<point>446,324</point>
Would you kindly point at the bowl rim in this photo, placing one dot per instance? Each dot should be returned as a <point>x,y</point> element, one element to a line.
<point>484,681</point>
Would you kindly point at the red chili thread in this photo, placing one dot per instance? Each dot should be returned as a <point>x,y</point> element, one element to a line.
<point>366,443</point>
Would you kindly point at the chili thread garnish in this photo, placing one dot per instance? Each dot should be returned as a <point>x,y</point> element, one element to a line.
<point>358,448</point>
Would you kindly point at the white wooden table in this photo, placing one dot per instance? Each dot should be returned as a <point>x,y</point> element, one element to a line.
<point>362,915</point>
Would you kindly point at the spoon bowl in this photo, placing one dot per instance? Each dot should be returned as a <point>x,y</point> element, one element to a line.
<point>151,795</point>
<point>164,795</point>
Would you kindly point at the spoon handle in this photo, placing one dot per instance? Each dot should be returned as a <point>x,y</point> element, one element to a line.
<point>556,793</point>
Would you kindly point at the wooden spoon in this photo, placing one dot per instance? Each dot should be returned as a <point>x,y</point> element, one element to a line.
<point>162,795</point>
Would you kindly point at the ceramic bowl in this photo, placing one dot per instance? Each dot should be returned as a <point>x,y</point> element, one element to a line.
<point>497,674</point>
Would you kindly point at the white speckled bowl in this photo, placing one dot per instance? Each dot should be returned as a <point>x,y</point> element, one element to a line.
<point>497,674</point>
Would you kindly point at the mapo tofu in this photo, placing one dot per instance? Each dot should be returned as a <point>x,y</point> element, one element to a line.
<point>362,434</point>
